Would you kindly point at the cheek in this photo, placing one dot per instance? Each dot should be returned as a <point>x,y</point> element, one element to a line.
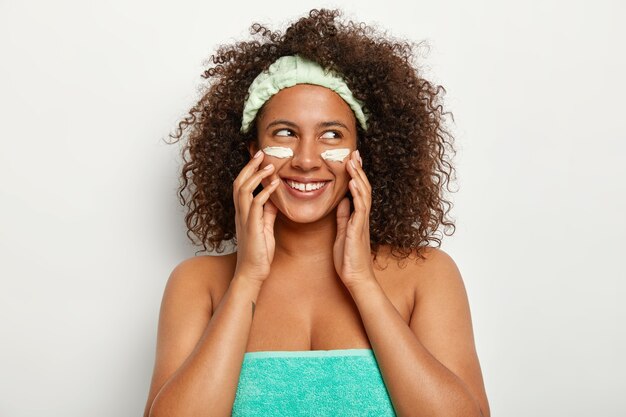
<point>278,165</point>
<point>339,171</point>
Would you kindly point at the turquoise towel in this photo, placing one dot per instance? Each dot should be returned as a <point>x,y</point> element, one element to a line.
<point>340,382</point>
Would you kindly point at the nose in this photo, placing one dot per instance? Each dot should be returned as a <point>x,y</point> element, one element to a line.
<point>307,155</point>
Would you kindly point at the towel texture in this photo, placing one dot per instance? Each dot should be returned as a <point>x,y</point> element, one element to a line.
<point>341,382</point>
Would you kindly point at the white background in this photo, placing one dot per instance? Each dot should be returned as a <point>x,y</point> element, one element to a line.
<point>91,226</point>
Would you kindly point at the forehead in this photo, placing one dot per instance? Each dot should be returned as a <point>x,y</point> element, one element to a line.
<point>307,104</point>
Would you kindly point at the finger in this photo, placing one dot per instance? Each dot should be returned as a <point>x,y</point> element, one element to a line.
<point>358,168</point>
<point>257,206</point>
<point>269,215</point>
<point>250,168</point>
<point>359,206</point>
<point>245,191</point>
<point>343,215</point>
<point>245,173</point>
<point>364,190</point>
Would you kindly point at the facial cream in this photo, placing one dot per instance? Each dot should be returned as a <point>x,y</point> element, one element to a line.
<point>278,151</point>
<point>336,155</point>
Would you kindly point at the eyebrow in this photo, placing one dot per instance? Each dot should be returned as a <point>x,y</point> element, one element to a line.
<point>319,125</point>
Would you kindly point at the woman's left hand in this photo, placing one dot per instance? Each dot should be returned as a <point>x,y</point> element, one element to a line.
<point>352,251</point>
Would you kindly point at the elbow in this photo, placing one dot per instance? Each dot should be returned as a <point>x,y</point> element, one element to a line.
<point>470,411</point>
<point>152,412</point>
<point>157,409</point>
<point>474,409</point>
<point>449,409</point>
<point>467,406</point>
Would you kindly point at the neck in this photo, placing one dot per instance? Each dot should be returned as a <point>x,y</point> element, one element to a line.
<point>308,243</point>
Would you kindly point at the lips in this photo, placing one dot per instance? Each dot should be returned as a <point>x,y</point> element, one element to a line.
<point>305,194</point>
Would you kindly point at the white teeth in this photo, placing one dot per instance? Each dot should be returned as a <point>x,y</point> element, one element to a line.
<point>306,187</point>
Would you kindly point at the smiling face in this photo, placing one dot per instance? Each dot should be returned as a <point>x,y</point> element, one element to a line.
<point>310,120</point>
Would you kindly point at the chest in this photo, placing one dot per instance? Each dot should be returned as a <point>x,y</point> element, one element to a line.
<point>292,316</point>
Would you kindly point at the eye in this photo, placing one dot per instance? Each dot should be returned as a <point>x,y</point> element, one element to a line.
<point>276,132</point>
<point>334,132</point>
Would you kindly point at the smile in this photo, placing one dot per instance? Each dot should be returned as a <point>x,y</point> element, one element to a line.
<point>311,186</point>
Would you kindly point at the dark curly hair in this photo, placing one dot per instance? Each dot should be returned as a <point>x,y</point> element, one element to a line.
<point>404,149</point>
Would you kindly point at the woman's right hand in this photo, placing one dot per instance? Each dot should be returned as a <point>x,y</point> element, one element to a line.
<point>254,221</point>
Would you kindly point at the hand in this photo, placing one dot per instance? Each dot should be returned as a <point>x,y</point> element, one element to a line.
<point>352,251</point>
<point>254,221</point>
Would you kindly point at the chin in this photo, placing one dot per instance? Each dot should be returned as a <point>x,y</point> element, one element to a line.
<point>306,215</point>
<point>302,213</point>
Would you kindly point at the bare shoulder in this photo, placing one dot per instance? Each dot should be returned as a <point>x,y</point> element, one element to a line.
<point>437,285</point>
<point>437,268</point>
<point>416,271</point>
<point>202,266</point>
<point>401,277</point>
<point>205,275</point>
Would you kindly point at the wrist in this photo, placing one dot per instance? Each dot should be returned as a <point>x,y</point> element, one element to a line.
<point>363,286</point>
<point>249,287</point>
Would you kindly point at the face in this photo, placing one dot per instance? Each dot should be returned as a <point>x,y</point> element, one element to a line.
<point>308,119</point>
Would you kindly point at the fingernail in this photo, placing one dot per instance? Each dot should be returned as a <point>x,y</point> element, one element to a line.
<point>352,163</point>
<point>256,155</point>
<point>268,167</point>
<point>358,155</point>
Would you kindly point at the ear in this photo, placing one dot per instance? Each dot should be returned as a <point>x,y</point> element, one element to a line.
<point>252,148</point>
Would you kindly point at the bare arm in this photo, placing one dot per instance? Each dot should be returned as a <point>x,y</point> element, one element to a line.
<point>199,357</point>
<point>429,367</point>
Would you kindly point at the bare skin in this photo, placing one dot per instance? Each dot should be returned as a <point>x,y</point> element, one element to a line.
<point>217,308</point>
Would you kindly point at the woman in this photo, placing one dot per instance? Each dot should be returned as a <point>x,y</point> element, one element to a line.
<point>321,152</point>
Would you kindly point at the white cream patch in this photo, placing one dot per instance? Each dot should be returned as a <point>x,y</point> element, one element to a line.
<point>278,151</point>
<point>336,155</point>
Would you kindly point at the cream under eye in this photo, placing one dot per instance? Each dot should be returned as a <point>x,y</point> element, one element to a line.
<point>336,155</point>
<point>278,151</point>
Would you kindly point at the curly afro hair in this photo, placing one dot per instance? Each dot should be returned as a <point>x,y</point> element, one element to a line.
<point>405,149</point>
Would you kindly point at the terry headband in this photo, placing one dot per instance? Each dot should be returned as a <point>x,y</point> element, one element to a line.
<point>288,71</point>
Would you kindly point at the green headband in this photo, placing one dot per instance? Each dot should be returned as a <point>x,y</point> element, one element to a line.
<point>288,71</point>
